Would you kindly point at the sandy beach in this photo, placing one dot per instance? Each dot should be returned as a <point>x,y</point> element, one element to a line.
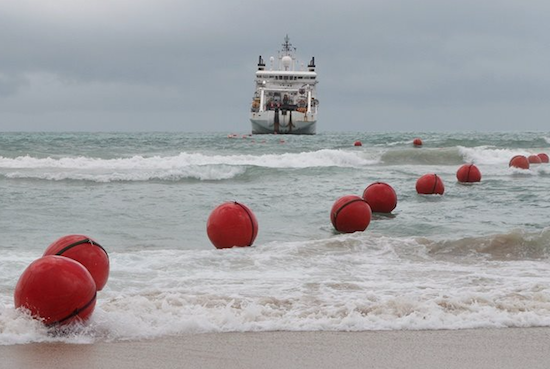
<point>481,348</point>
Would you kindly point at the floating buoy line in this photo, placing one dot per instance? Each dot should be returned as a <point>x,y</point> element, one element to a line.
<point>62,286</point>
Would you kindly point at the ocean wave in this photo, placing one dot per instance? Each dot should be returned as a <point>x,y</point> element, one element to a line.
<point>352,282</point>
<point>320,158</point>
<point>491,155</point>
<point>453,155</point>
<point>204,173</point>
<point>182,166</point>
<point>346,306</point>
<point>515,245</point>
<point>423,156</point>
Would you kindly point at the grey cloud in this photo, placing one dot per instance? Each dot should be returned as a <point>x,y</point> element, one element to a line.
<point>140,63</point>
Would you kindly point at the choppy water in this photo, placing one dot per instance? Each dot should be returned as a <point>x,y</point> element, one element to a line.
<point>474,257</point>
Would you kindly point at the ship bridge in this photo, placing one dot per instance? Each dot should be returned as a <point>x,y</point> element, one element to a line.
<point>283,75</point>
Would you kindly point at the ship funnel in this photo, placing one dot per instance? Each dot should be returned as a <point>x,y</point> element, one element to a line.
<point>261,64</point>
<point>311,65</point>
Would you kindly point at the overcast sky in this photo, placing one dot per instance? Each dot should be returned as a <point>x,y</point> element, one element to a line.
<point>179,65</point>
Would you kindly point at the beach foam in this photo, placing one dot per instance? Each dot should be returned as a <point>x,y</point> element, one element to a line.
<point>336,284</point>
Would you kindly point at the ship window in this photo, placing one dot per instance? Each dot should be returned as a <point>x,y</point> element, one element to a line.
<point>285,77</point>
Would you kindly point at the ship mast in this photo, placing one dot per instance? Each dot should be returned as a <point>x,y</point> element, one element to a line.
<point>288,49</point>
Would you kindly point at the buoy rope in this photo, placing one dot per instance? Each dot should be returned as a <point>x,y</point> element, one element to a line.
<point>83,241</point>
<point>251,222</point>
<point>74,313</point>
<point>435,183</point>
<point>343,206</point>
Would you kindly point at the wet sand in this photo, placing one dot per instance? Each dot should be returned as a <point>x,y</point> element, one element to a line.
<point>479,348</point>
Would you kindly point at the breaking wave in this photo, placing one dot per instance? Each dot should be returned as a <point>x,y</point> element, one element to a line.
<point>182,166</point>
<point>489,155</point>
<point>515,245</point>
<point>343,283</point>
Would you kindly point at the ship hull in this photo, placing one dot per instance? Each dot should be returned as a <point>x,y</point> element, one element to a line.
<point>289,122</point>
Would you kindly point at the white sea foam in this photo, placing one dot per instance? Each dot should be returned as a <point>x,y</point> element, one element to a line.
<point>320,158</point>
<point>184,165</point>
<point>489,155</point>
<point>344,283</point>
<point>203,173</point>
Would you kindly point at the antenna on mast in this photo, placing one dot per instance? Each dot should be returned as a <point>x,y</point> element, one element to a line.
<point>287,46</point>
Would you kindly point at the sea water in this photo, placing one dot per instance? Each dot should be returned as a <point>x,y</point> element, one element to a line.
<point>478,256</point>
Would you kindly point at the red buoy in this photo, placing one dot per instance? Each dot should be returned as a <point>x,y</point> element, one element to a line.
<point>519,161</point>
<point>350,214</point>
<point>357,143</point>
<point>232,224</point>
<point>381,197</point>
<point>534,159</point>
<point>87,252</point>
<point>543,157</point>
<point>468,173</point>
<point>417,142</point>
<point>57,290</point>
<point>430,184</point>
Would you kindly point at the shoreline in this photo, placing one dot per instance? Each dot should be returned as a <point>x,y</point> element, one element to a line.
<point>471,348</point>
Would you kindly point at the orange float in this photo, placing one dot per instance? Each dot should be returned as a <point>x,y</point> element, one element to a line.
<point>56,290</point>
<point>357,143</point>
<point>381,197</point>
<point>543,157</point>
<point>350,214</point>
<point>232,224</point>
<point>468,173</point>
<point>430,184</point>
<point>534,159</point>
<point>87,252</point>
<point>519,161</point>
<point>417,142</point>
